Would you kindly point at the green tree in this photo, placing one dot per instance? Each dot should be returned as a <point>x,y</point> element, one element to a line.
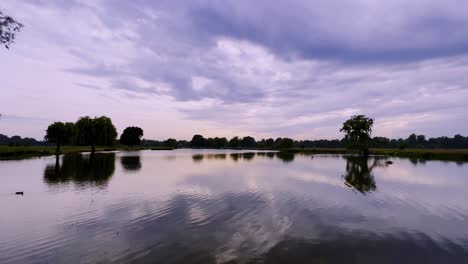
<point>8,29</point>
<point>95,131</point>
<point>60,133</point>
<point>131,136</point>
<point>358,131</point>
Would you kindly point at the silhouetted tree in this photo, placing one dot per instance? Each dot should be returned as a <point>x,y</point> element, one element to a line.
<point>131,136</point>
<point>234,143</point>
<point>248,142</point>
<point>357,131</point>
<point>285,143</point>
<point>198,141</point>
<point>95,131</point>
<point>60,133</point>
<point>171,143</point>
<point>412,140</point>
<point>8,29</point>
<point>269,143</point>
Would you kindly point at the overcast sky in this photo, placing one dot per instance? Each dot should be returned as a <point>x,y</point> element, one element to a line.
<point>295,68</point>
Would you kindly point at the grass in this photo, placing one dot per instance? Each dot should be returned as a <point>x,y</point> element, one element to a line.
<point>22,152</point>
<point>426,154</point>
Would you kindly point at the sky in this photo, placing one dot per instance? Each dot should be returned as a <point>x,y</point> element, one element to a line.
<point>285,68</point>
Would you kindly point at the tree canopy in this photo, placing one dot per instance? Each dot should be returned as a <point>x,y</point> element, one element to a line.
<point>8,29</point>
<point>358,131</point>
<point>95,131</point>
<point>131,136</point>
<point>60,133</point>
<point>198,141</point>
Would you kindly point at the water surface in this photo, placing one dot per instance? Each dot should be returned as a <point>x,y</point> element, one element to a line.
<point>211,206</point>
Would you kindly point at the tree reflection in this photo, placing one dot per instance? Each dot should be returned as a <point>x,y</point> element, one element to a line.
<point>95,169</point>
<point>235,156</point>
<point>197,158</point>
<point>359,175</point>
<point>248,156</point>
<point>285,156</point>
<point>131,163</point>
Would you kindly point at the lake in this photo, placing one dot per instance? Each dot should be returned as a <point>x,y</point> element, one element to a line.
<point>217,206</point>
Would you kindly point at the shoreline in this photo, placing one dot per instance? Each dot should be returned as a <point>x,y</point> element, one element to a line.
<point>23,152</point>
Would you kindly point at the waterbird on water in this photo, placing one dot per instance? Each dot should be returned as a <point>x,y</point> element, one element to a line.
<point>19,193</point>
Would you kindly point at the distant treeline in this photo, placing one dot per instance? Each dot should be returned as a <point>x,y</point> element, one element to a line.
<point>19,141</point>
<point>198,141</point>
<point>413,141</point>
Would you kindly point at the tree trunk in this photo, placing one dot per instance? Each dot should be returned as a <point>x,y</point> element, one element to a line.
<point>57,150</point>
<point>93,148</point>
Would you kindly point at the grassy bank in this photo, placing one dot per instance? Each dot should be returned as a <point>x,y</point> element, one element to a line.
<point>37,151</point>
<point>427,154</point>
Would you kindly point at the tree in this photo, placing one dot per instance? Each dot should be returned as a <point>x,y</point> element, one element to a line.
<point>358,131</point>
<point>285,143</point>
<point>248,142</point>
<point>60,133</point>
<point>412,140</point>
<point>234,143</point>
<point>171,143</point>
<point>198,141</point>
<point>131,136</point>
<point>269,143</point>
<point>8,29</point>
<point>95,131</point>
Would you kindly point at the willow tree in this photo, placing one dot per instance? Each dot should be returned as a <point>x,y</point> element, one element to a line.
<point>95,131</point>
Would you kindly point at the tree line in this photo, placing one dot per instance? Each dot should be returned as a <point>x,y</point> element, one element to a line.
<point>100,131</point>
<point>87,131</point>
<point>456,142</point>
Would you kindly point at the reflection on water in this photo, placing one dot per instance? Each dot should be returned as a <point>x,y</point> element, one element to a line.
<point>285,156</point>
<point>233,207</point>
<point>131,163</point>
<point>359,174</point>
<point>96,169</point>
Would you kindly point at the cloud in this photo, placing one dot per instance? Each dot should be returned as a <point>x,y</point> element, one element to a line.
<point>289,68</point>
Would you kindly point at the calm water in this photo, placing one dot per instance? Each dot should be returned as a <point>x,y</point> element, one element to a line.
<point>196,206</point>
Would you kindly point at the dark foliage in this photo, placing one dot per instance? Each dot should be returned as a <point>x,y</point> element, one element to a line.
<point>358,131</point>
<point>171,143</point>
<point>60,133</point>
<point>131,136</point>
<point>15,141</point>
<point>198,141</point>
<point>95,131</point>
<point>8,29</point>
